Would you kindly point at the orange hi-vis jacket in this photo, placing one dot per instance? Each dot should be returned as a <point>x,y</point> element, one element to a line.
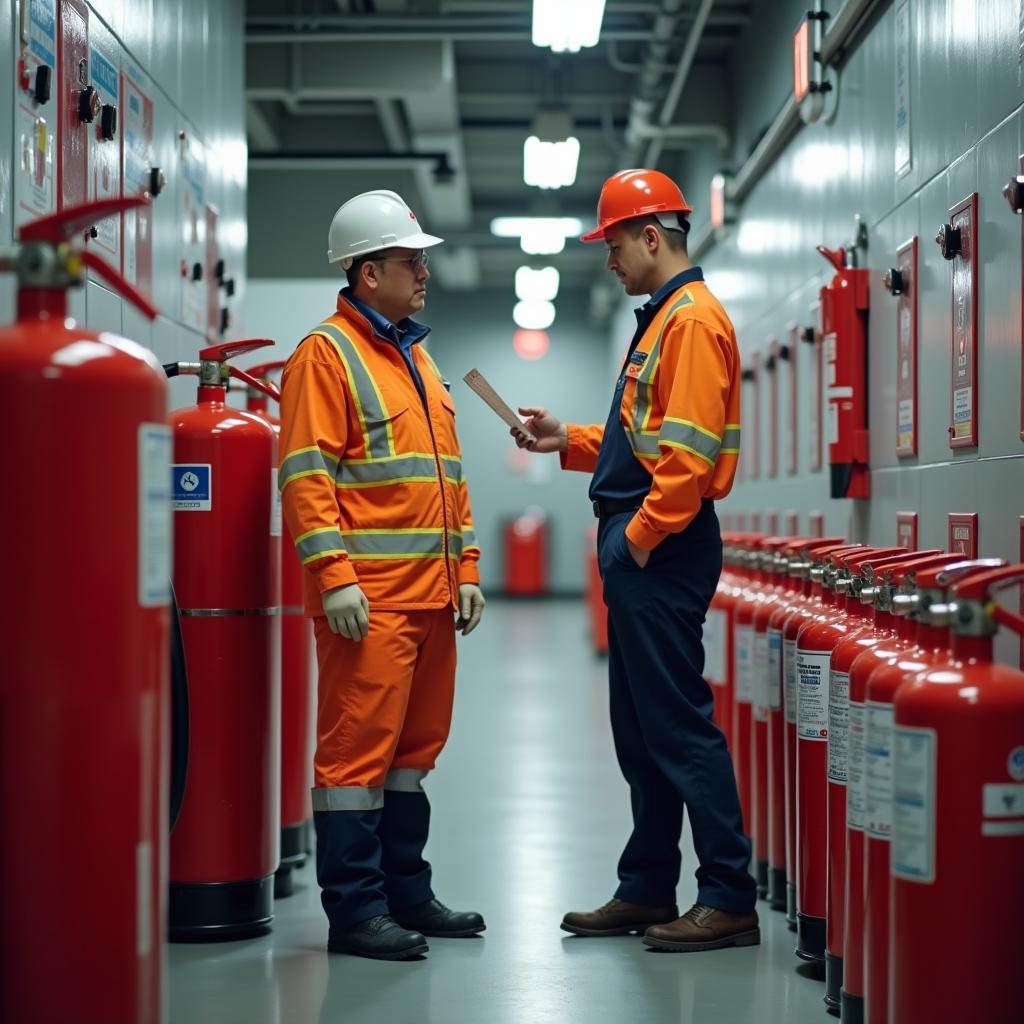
<point>680,411</point>
<point>371,481</point>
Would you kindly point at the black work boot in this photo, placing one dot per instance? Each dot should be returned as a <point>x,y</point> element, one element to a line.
<point>378,938</point>
<point>434,918</point>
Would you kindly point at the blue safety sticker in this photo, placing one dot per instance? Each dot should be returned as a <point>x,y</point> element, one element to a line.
<point>191,487</point>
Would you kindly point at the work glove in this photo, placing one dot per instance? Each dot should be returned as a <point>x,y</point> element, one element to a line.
<point>471,607</point>
<point>348,612</point>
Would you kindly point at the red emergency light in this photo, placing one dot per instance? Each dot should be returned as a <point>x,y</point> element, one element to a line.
<point>802,55</point>
<point>531,344</point>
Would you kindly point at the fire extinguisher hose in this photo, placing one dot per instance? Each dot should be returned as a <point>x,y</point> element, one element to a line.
<point>179,715</point>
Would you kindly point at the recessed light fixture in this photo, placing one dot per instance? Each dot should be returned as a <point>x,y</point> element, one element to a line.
<point>534,314</point>
<point>567,25</point>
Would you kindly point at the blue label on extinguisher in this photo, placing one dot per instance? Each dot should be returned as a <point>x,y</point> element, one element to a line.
<point>191,487</point>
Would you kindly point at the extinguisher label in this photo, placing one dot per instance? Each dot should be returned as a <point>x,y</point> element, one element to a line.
<point>855,794</point>
<point>714,647</point>
<point>775,669</point>
<point>154,447</point>
<point>744,682</point>
<point>191,487</point>
<point>789,679</point>
<point>839,727</point>
<point>913,803</point>
<point>878,770</point>
<point>812,671</point>
<point>759,699</point>
<point>275,505</point>
<point>1003,800</point>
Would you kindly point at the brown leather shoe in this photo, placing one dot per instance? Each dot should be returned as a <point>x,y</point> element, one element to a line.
<point>617,917</point>
<point>704,927</point>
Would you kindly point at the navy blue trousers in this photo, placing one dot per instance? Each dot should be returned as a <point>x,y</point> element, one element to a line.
<point>670,751</point>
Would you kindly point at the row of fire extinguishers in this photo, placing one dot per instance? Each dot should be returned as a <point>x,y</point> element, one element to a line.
<point>87,784</point>
<point>879,756</point>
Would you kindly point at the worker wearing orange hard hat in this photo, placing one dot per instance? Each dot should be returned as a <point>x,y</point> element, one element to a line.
<point>668,451</point>
<point>376,501</point>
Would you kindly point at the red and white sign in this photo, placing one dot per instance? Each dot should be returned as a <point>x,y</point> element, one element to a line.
<point>772,520</point>
<point>792,523</point>
<point>792,461</point>
<point>906,530</point>
<point>963,430</point>
<point>802,57</point>
<point>72,84</point>
<point>816,524</point>
<point>818,398</point>
<point>136,131</point>
<point>104,148</point>
<point>773,408</point>
<point>906,350</point>
<point>963,533</point>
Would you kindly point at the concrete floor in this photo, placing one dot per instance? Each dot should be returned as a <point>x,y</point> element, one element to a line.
<point>529,814</point>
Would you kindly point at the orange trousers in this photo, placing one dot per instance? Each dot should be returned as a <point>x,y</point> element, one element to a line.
<point>384,704</point>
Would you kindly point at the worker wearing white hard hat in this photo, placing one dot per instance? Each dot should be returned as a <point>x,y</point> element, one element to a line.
<point>375,498</point>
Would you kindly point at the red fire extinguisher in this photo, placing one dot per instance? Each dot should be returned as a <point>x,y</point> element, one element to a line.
<point>719,670</point>
<point>882,584</point>
<point>227,526</point>
<point>958,820</point>
<point>297,696</point>
<point>84,709</point>
<point>815,642</point>
<point>844,324</point>
<point>882,686</point>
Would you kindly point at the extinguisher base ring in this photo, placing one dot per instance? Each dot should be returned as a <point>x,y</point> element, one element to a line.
<point>791,906</point>
<point>851,1008</point>
<point>810,939</point>
<point>833,982</point>
<point>777,888</point>
<point>295,844</point>
<point>219,911</point>
<point>761,876</point>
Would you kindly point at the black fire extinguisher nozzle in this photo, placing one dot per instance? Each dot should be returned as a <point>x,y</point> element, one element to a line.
<point>171,369</point>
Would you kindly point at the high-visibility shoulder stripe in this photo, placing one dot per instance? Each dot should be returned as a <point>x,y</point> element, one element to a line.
<point>319,543</point>
<point>303,462</point>
<point>683,434</point>
<point>693,426</point>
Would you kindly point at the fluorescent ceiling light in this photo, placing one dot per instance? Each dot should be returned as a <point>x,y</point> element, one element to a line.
<point>567,24</point>
<point>541,285</point>
<point>538,236</point>
<point>550,164</point>
<point>534,315</point>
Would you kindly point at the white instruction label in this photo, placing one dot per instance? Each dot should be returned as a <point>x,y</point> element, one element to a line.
<point>716,627</point>
<point>744,655</point>
<point>812,671</point>
<point>839,727</point>
<point>789,679</point>
<point>774,669</point>
<point>878,770</point>
<point>855,786</point>
<point>913,804</point>
<point>275,505</point>
<point>760,670</point>
<point>154,447</point>
<point>1003,800</point>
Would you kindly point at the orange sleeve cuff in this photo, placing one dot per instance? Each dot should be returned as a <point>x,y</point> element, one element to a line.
<point>644,537</point>
<point>469,572</point>
<point>334,573</point>
<point>577,455</point>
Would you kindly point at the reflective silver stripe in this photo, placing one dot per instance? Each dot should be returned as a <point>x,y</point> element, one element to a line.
<point>469,538</point>
<point>348,798</point>
<point>452,466</point>
<point>221,613</point>
<point>642,409</point>
<point>731,440</point>
<point>306,462</point>
<point>456,544</point>
<point>644,443</point>
<point>318,543</point>
<point>380,472</point>
<point>372,414</point>
<point>405,780</point>
<point>683,434</point>
<point>425,543</point>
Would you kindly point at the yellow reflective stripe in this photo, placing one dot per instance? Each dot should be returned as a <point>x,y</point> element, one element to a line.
<point>306,462</point>
<point>644,443</point>
<point>413,467</point>
<point>731,439</point>
<point>427,542</point>
<point>469,541</point>
<point>685,434</point>
<point>319,543</point>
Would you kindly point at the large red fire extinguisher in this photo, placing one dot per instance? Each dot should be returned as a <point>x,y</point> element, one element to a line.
<point>227,526</point>
<point>958,820</point>
<point>297,698</point>
<point>844,325</point>
<point>84,712</point>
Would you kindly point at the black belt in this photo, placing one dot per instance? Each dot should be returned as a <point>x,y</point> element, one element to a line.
<point>605,509</point>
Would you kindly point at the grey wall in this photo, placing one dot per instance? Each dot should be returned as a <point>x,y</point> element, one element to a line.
<point>966,124</point>
<point>188,56</point>
<point>573,379</point>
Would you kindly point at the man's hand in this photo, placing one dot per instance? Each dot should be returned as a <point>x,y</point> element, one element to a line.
<point>348,612</point>
<point>471,607</point>
<point>549,435</point>
<point>639,556</point>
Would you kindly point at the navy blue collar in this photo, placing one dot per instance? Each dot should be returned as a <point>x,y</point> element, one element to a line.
<point>677,282</point>
<point>406,333</point>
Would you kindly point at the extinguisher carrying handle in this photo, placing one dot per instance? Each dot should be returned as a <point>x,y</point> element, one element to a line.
<point>73,220</point>
<point>871,567</point>
<point>941,577</point>
<point>119,284</point>
<point>896,572</point>
<point>984,586</point>
<point>267,387</point>
<point>837,257</point>
<point>229,349</point>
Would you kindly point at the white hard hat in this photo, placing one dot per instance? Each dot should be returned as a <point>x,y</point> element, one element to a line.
<point>371,222</point>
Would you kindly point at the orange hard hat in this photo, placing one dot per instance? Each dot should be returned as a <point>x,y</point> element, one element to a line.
<point>640,192</point>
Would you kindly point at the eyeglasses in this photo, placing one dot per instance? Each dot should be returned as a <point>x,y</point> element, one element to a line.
<point>415,263</point>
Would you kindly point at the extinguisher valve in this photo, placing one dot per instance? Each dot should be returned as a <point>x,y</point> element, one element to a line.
<point>942,613</point>
<point>868,594</point>
<point>798,569</point>
<point>906,604</point>
<point>817,573</point>
<point>1013,192</point>
<point>893,280</point>
<point>950,241</point>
